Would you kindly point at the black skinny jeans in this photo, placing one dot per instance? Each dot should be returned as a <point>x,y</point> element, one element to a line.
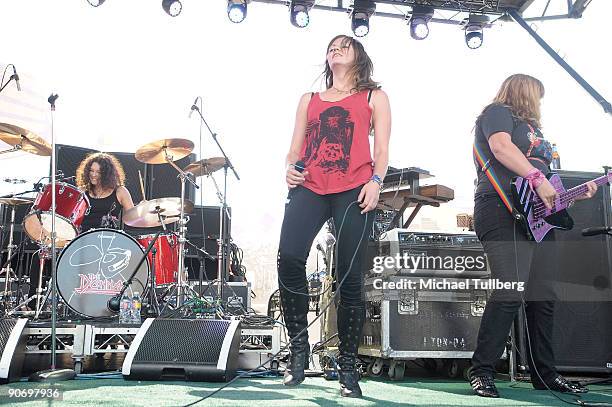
<point>514,258</point>
<point>305,214</point>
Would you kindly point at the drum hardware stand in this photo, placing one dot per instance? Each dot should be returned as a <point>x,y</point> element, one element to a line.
<point>8,270</point>
<point>222,269</point>
<point>153,308</point>
<point>181,285</point>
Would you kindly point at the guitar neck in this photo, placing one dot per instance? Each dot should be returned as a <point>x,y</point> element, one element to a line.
<point>581,189</point>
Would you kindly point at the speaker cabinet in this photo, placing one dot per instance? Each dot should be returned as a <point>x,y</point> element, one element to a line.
<point>582,338</point>
<point>184,349</point>
<point>164,181</point>
<point>12,343</point>
<point>583,328</point>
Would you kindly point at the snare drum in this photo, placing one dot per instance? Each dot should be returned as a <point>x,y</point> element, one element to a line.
<point>166,257</point>
<point>71,205</point>
<point>93,268</point>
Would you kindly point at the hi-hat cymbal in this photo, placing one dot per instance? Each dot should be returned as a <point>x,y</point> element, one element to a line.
<point>29,142</point>
<point>206,166</point>
<point>144,215</point>
<point>155,152</point>
<point>16,201</point>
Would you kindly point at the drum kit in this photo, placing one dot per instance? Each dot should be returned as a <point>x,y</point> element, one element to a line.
<point>96,267</point>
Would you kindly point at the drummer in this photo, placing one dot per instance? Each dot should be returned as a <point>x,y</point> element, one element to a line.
<point>101,177</point>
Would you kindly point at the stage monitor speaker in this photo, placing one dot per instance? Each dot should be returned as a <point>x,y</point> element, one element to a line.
<point>13,345</point>
<point>184,349</point>
<point>582,336</point>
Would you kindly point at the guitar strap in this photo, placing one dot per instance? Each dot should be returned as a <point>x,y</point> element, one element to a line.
<point>487,168</point>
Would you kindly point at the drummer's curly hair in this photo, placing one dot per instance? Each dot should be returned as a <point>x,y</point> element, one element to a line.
<point>112,174</point>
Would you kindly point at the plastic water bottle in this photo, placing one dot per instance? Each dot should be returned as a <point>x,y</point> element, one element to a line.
<point>136,306</point>
<point>125,306</point>
<point>556,159</point>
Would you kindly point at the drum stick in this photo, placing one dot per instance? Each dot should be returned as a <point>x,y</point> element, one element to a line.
<point>141,185</point>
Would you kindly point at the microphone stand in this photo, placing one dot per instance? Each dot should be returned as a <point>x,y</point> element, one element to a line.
<point>223,247</point>
<point>113,302</point>
<point>11,78</point>
<point>53,374</point>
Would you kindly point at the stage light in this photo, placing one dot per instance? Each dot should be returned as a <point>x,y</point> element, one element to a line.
<point>95,3</point>
<point>298,11</point>
<point>473,38</point>
<point>360,17</point>
<point>474,30</point>
<point>172,7</point>
<point>236,10</point>
<point>419,22</point>
<point>419,30</point>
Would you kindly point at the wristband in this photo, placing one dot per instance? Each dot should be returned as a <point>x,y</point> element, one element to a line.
<point>535,178</point>
<point>377,179</point>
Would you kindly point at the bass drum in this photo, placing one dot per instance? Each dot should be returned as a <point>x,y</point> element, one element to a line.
<point>93,268</point>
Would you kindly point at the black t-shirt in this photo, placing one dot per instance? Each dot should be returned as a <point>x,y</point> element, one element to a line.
<point>103,212</point>
<point>497,118</point>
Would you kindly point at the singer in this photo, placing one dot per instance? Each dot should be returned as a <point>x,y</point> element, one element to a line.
<point>336,178</point>
<point>102,178</point>
<point>508,133</point>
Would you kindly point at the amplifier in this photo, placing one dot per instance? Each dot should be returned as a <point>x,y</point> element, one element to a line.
<point>422,317</point>
<point>408,252</point>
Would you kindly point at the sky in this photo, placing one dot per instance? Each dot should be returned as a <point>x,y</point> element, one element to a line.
<point>127,74</point>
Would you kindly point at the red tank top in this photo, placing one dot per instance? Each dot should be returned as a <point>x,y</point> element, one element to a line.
<point>336,150</point>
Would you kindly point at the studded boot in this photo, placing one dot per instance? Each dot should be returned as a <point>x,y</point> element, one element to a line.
<point>350,324</point>
<point>295,314</point>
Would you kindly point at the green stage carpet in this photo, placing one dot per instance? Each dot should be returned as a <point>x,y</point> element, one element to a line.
<point>313,392</point>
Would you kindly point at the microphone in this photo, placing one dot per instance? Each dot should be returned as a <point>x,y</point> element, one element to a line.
<point>300,167</point>
<point>16,77</point>
<point>113,303</point>
<point>51,99</point>
<point>193,107</point>
<point>599,230</point>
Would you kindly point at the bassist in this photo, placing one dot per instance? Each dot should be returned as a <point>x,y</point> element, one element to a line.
<point>509,143</point>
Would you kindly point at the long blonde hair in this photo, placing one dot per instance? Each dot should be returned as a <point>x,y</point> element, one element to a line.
<point>521,94</point>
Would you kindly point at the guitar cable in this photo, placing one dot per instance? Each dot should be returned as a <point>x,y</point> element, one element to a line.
<point>305,330</point>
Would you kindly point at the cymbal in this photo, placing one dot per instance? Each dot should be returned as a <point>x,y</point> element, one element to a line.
<point>206,166</point>
<point>16,201</point>
<point>155,152</point>
<point>30,142</point>
<point>144,215</point>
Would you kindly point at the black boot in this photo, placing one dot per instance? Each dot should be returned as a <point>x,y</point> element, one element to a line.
<point>350,324</point>
<point>295,314</point>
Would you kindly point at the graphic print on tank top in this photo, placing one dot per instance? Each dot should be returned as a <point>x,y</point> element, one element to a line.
<point>329,140</point>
